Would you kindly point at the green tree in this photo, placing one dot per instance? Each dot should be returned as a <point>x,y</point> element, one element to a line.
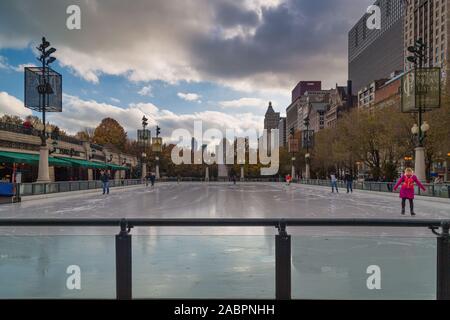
<point>110,132</point>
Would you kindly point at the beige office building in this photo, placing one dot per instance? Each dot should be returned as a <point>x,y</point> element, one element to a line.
<point>429,20</point>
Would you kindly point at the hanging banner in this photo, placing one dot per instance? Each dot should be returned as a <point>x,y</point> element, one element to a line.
<point>421,89</point>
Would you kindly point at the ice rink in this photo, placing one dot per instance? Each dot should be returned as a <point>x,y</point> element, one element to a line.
<point>224,200</point>
<point>327,263</point>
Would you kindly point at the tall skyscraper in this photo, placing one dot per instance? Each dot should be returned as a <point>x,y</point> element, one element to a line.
<point>429,20</point>
<point>272,118</point>
<point>376,53</point>
<point>282,131</point>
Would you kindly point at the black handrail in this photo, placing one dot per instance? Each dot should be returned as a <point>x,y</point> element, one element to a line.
<point>282,242</point>
<point>138,222</point>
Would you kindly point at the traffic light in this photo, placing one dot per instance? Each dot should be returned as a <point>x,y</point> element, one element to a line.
<point>144,122</point>
<point>158,131</point>
<point>292,131</point>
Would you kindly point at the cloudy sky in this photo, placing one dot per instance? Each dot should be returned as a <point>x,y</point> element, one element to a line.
<point>219,61</point>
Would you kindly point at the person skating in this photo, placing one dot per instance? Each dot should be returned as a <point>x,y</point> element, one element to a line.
<point>334,183</point>
<point>349,182</point>
<point>288,179</point>
<point>152,179</point>
<point>407,190</point>
<point>104,178</point>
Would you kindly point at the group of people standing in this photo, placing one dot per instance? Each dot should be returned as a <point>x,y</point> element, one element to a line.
<point>348,178</point>
<point>105,176</point>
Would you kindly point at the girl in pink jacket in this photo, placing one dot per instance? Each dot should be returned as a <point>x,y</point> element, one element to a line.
<point>407,190</point>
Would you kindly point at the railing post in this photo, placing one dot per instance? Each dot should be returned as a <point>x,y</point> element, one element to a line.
<point>283,263</point>
<point>123,263</point>
<point>443,263</point>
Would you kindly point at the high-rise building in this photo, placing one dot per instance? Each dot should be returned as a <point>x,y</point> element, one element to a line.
<point>282,132</point>
<point>298,101</point>
<point>341,100</point>
<point>303,86</point>
<point>311,102</point>
<point>429,20</point>
<point>376,53</point>
<point>272,119</point>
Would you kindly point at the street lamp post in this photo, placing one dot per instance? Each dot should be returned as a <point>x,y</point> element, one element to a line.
<point>44,89</point>
<point>157,175</point>
<point>307,155</point>
<point>446,168</point>
<point>144,146</point>
<point>418,58</point>
<point>292,132</point>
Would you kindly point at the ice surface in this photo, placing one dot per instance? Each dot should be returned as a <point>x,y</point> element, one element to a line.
<point>327,263</point>
<point>198,200</point>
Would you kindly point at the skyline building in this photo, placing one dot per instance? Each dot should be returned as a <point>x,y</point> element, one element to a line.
<point>376,53</point>
<point>429,20</point>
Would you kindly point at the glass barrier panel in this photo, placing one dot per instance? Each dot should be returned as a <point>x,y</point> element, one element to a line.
<point>57,267</point>
<point>363,268</point>
<point>209,267</point>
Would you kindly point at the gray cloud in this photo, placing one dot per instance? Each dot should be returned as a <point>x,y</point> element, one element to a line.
<point>255,45</point>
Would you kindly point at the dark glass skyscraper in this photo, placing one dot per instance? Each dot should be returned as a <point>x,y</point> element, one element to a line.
<point>376,53</point>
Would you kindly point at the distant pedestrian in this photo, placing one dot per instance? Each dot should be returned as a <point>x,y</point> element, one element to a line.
<point>288,179</point>
<point>152,179</point>
<point>334,183</point>
<point>349,182</point>
<point>407,190</point>
<point>104,178</point>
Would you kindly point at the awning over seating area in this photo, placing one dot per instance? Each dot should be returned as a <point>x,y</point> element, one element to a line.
<point>32,159</point>
<point>93,165</point>
<point>116,167</point>
<point>85,163</point>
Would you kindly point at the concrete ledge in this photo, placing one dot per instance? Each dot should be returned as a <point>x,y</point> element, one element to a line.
<point>72,194</point>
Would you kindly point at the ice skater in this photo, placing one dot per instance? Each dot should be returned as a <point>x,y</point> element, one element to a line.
<point>152,179</point>
<point>288,179</point>
<point>104,178</point>
<point>349,182</point>
<point>334,183</point>
<point>407,190</point>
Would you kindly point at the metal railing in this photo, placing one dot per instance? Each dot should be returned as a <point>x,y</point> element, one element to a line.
<point>432,190</point>
<point>283,255</point>
<point>30,189</point>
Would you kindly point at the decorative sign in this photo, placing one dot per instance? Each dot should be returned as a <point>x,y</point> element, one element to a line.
<point>144,137</point>
<point>36,89</point>
<point>157,144</point>
<point>421,89</point>
<point>293,145</point>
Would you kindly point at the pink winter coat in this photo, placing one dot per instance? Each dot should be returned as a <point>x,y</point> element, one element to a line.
<point>407,189</point>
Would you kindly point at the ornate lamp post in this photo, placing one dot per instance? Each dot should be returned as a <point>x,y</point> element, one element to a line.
<point>421,92</point>
<point>144,139</point>
<point>44,89</point>
<point>307,155</point>
<point>158,132</point>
